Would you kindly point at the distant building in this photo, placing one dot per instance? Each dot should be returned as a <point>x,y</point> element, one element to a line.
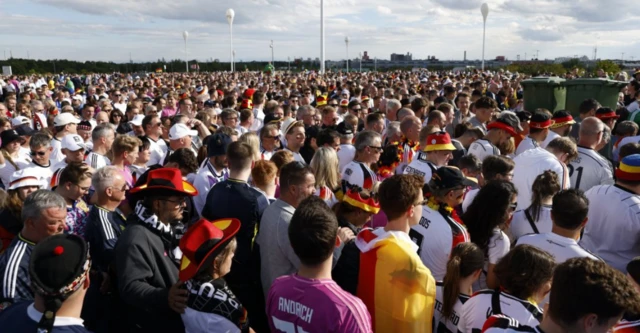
<point>401,57</point>
<point>365,56</point>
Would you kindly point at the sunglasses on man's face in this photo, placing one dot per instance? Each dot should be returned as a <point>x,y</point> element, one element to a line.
<point>38,153</point>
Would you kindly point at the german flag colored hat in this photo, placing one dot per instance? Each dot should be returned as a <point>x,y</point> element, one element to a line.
<point>354,198</point>
<point>246,104</point>
<point>203,242</point>
<point>321,100</point>
<point>439,141</point>
<point>629,168</point>
<point>562,118</point>
<point>606,113</point>
<point>166,180</point>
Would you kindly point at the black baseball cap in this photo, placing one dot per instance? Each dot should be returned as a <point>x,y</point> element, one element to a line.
<point>217,144</point>
<point>343,129</point>
<point>449,178</point>
<point>271,118</point>
<point>9,136</point>
<point>25,130</point>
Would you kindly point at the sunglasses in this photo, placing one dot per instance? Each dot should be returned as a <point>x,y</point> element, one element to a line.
<point>334,105</point>
<point>376,147</point>
<point>38,153</point>
<point>357,110</point>
<point>513,207</point>
<point>177,202</point>
<point>275,137</point>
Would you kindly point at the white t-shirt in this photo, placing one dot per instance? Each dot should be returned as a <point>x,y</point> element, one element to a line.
<point>44,172</point>
<point>158,150</point>
<point>613,229</point>
<point>499,246</point>
<point>468,198</point>
<point>436,237</point>
<point>421,167</point>
<point>482,148</point>
<point>476,310</point>
<point>297,157</point>
<point>526,144</point>
<point>7,169</point>
<point>520,224</point>
<point>346,154</point>
<point>552,135</point>
<point>530,165</point>
<point>590,169</point>
<point>356,173</point>
<point>266,155</point>
<point>97,161</point>
<point>440,323</point>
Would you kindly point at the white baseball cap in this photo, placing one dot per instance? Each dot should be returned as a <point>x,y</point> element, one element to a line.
<point>19,120</point>
<point>65,118</point>
<point>25,177</point>
<point>73,142</point>
<point>137,120</point>
<point>179,131</point>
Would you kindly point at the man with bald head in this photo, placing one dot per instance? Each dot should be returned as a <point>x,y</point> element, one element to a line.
<point>410,128</point>
<point>102,117</point>
<point>590,168</point>
<point>437,118</point>
<point>403,113</point>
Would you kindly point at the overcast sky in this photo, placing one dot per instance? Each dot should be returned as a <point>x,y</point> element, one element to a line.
<point>152,29</point>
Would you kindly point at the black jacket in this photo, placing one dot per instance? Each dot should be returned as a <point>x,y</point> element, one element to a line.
<point>145,271</point>
<point>346,271</point>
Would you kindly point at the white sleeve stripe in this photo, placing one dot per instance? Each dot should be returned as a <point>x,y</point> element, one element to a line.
<point>11,273</point>
<point>106,225</point>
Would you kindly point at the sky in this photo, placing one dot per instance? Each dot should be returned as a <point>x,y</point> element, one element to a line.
<point>147,30</point>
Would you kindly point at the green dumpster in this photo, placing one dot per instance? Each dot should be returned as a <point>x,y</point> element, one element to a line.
<point>602,90</point>
<point>544,92</point>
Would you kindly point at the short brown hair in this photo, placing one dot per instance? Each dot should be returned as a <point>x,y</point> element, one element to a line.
<point>74,173</point>
<point>125,143</point>
<point>626,150</point>
<point>398,193</point>
<point>564,145</point>
<point>239,155</point>
<point>263,172</point>
<point>281,158</point>
<point>245,114</point>
<point>582,286</point>
<point>313,231</point>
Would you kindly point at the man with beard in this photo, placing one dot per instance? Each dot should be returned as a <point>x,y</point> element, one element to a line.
<point>214,170</point>
<point>562,125</point>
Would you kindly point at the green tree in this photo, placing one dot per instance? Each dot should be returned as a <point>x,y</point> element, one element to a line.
<point>608,66</point>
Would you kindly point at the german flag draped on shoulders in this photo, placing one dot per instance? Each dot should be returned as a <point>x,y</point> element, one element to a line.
<point>397,288</point>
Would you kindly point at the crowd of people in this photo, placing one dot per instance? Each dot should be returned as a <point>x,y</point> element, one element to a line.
<point>299,202</point>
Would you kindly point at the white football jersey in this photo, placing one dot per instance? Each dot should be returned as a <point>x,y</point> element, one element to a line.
<point>552,135</point>
<point>97,161</point>
<point>487,302</point>
<point>521,224</point>
<point>482,148</point>
<point>436,236</point>
<point>421,167</point>
<point>468,198</point>
<point>450,324</point>
<point>613,229</point>
<point>526,144</point>
<point>590,169</point>
<point>530,165</point>
<point>357,173</point>
<point>158,150</point>
<point>499,246</point>
<point>56,153</point>
<point>346,154</point>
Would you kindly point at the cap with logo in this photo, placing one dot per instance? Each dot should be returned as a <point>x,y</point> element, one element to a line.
<point>540,120</point>
<point>343,129</point>
<point>137,120</point>
<point>65,118</point>
<point>9,136</point>
<point>562,118</point>
<point>179,131</point>
<point>439,141</point>
<point>73,142</point>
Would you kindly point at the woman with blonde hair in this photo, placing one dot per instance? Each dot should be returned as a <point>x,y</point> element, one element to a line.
<point>325,166</point>
<point>252,140</point>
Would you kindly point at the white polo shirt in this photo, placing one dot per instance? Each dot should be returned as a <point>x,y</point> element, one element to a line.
<point>477,308</point>
<point>436,236</point>
<point>590,169</point>
<point>530,165</point>
<point>482,148</point>
<point>526,144</point>
<point>613,229</point>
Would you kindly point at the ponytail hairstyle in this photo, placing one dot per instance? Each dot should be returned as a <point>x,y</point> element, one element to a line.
<point>545,185</point>
<point>466,259</point>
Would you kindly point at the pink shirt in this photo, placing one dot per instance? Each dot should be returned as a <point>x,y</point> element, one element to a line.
<point>168,112</point>
<point>297,304</point>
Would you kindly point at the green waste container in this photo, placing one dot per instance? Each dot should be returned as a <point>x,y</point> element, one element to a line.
<point>602,90</point>
<point>544,92</point>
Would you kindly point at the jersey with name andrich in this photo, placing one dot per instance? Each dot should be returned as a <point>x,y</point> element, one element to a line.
<point>482,148</point>
<point>613,229</point>
<point>436,235</point>
<point>485,303</point>
<point>522,222</point>
<point>589,169</point>
<point>357,173</point>
<point>421,167</point>
<point>14,272</point>
<point>529,165</point>
<point>296,304</point>
<point>97,161</point>
<point>440,323</point>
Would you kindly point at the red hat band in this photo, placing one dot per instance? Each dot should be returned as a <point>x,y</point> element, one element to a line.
<point>541,125</point>
<point>502,126</point>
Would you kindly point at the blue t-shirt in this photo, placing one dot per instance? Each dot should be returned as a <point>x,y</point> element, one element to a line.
<point>23,317</point>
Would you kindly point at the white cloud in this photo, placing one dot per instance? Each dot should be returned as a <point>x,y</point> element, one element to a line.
<point>384,10</point>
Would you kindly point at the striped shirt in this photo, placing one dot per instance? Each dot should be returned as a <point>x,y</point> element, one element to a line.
<point>297,304</point>
<point>14,271</point>
<point>97,161</point>
<point>103,227</point>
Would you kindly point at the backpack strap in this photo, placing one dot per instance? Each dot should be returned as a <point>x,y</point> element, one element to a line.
<point>531,222</point>
<point>495,302</point>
